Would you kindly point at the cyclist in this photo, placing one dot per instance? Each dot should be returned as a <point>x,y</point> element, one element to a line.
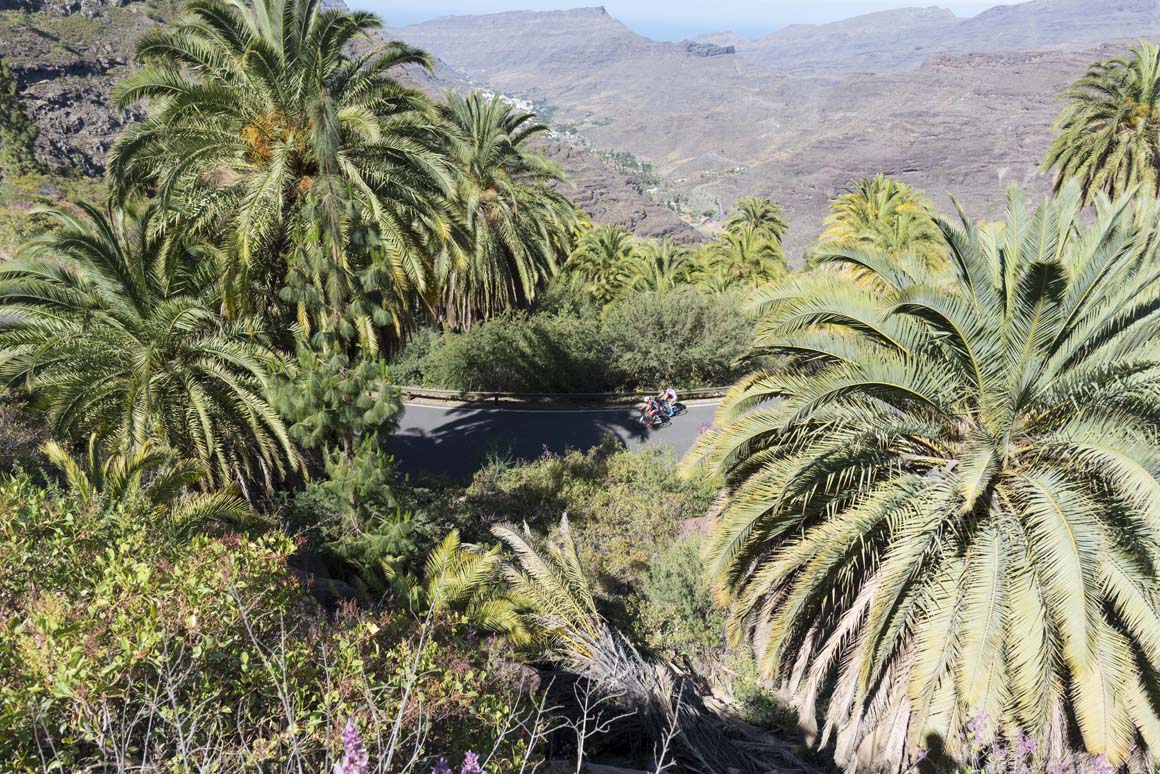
<point>668,400</point>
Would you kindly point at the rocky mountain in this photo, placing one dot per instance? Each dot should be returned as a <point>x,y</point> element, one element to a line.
<point>903,38</point>
<point>67,54</point>
<point>955,106</point>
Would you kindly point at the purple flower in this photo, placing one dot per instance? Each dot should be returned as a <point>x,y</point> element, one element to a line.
<point>978,728</point>
<point>1099,765</point>
<point>354,761</point>
<point>1025,753</point>
<point>442,768</point>
<point>470,764</point>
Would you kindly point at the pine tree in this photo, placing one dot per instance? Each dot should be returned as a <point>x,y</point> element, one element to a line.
<point>17,132</point>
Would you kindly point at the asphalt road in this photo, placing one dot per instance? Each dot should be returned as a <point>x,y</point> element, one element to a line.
<point>454,441</point>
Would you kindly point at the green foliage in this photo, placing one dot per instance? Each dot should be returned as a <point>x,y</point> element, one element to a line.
<point>678,616</point>
<point>521,228</point>
<point>22,434</point>
<point>152,480</point>
<point>116,329</point>
<point>946,502</point>
<point>520,353</point>
<point>683,338</point>
<point>17,132</point>
<point>764,217</point>
<point>660,266</point>
<point>23,201</point>
<point>1108,134</point>
<point>625,507</point>
<point>346,408</point>
<point>121,645</point>
<point>880,213</point>
<point>603,262</point>
<point>335,399</point>
<point>262,122</point>
<point>612,265</point>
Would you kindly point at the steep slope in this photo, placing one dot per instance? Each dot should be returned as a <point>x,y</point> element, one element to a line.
<point>959,125</point>
<point>620,90</point>
<point>66,56</point>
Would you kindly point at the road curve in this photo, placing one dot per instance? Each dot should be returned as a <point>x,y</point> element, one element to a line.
<point>455,440</point>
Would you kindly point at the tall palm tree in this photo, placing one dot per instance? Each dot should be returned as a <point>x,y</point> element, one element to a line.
<point>257,113</point>
<point>947,504</point>
<point>603,260</point>
<point>886,215</point>
<point>660,265</point>
<point>1108,134</point>
<point>116,331</point>
<point>519,228</point>
<point>745,257</point>
<point>766,217</point>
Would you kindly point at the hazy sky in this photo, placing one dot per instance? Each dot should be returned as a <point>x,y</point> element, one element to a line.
<point>672,19</point>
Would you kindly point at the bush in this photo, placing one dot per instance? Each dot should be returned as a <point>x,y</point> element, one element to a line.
<point>679,617</point>
<point>120,646</point>
<point>520,353</point>
<point>683,337</point>
<point>408,366</point>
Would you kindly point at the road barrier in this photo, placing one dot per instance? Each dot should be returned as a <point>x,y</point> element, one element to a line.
<point>463,396</point>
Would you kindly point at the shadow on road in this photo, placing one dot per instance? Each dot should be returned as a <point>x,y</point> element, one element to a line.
<point>455,442</point>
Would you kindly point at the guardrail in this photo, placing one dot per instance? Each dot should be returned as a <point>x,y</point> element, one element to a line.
<point>462,396</point>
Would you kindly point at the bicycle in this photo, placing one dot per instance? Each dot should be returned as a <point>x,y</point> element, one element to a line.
<point>653,416</point>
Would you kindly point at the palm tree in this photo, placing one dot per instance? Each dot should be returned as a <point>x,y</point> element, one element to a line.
<point>946,505</point>
<point>466,579</point>
<point>520,229</point>
<point>154,478</point>
<point>883,214</point>
<point>661,265</point>
<point>745,257</point>
<point>116,331</point>
<point>762,215</point>
<point>1108,134</point>
<point>258,116</point>
<point>603,259</point>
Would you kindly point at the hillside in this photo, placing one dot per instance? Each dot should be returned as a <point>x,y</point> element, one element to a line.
<point>964,121</point>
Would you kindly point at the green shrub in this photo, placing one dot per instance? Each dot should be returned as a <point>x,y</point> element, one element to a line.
<point>119,645</point>
<point>679,617</point>
<point>682,337</point>
<point>408,367</point>
<point>520,353</point>
<point>21,196</point>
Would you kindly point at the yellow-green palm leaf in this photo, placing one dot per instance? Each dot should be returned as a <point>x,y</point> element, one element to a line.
<point>948,502</point>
